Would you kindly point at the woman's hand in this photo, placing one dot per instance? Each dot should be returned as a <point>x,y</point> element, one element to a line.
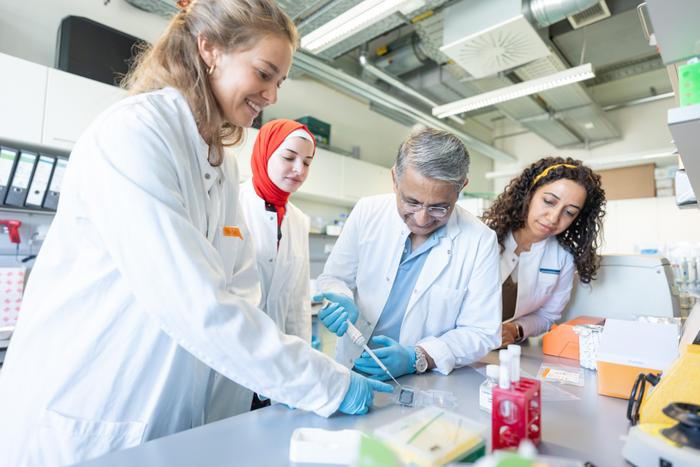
<point>509,334</point>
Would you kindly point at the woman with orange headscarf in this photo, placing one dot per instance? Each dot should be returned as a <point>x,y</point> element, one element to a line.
<point>280,161</point>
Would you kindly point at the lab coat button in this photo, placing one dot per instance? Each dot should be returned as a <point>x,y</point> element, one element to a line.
<point>207,176</point>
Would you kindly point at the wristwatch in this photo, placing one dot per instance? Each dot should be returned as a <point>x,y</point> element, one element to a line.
<point>421,360</point>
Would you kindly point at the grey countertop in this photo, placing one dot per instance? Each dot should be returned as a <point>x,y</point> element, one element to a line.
<point>587,429</point>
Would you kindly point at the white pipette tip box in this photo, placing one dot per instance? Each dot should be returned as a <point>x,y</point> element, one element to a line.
<point>318,446</point>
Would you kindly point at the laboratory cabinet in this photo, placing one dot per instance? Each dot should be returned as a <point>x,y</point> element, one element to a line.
<point>23,86</point>
<point>41,106</point>
<point>72,103</point>
<point>325,182</point>
<point>361,178</point>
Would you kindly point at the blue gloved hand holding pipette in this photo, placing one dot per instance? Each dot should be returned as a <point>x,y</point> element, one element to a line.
<point>360,394</point>
<point>397,359</point>
<point>336,313</point>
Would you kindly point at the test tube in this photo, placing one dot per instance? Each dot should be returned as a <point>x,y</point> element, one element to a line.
<point>515,352</point>
<point>504,357</point>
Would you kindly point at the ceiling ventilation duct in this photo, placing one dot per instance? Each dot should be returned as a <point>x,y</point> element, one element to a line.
<point>489,36</point>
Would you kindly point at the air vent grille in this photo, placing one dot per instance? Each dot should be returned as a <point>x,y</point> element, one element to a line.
<point>503,47</point>
<point>590,15</point>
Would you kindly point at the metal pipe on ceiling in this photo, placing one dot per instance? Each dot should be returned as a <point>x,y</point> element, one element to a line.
<point>398,84</point>
<point>354,86</point>
<point>642,100</point>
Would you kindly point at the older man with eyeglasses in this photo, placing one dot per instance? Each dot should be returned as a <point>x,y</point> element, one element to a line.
<point>414,271</point>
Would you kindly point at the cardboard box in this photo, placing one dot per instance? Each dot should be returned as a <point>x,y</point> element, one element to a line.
<point>562,341</point>
<point>628,348</point>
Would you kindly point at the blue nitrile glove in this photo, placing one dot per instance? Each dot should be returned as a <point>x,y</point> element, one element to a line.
<point>398,359</point>
<point>361,393</point>
<point>334,315</point>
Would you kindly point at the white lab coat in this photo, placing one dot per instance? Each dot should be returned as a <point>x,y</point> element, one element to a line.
<point>137,294</point>
<point>284,276</point>
<point>284,272</point>
<point>455,310</point>
<point>545,278</point>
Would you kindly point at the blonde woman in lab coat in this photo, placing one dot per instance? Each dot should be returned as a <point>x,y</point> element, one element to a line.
<point>282,156</point>
<point>548,222</point>
<point>141,288</point>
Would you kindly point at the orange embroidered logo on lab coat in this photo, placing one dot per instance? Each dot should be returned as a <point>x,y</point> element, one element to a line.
<point>232,232</point>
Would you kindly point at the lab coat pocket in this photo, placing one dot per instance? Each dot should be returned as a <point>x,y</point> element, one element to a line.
<point>61,439</point>
<point>547,281</point>
<point>443,308</point>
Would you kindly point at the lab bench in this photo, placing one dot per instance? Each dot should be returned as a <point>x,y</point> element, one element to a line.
<point>588,429</point>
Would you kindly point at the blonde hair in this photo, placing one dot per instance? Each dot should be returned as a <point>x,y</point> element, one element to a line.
<point>175,60</point>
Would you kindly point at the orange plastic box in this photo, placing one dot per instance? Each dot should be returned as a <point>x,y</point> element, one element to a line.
<point>628,348</point>
<point>562,341</point>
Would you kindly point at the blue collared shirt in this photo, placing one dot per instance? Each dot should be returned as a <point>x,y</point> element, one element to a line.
<point>411,265</point>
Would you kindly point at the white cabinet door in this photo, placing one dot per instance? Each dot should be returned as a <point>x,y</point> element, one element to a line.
<point>72,103</point>
<point>362,179</point>
<point>22,91</point>
<point>325,180</point>
<point>243,153</point>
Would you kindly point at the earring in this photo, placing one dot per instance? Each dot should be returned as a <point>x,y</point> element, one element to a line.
<point>211,69</point>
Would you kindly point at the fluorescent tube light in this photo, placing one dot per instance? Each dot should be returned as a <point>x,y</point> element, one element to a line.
<point>352,21</point>
<point>526,88</point>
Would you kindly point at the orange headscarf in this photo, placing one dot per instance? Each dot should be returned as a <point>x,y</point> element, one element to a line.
<point>271,136</point>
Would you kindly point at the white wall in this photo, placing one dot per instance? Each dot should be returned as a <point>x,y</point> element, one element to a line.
<point>632,224</point>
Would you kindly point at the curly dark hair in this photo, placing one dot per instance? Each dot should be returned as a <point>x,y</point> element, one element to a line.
<point>509,211</point>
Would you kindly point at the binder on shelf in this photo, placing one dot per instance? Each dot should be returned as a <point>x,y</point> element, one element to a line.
<point>51,199</point>
<point>40,181</point>
<point>8,159</point>
<point>21,179</point>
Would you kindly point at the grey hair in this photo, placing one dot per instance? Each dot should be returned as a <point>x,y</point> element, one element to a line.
<point>434,154</point>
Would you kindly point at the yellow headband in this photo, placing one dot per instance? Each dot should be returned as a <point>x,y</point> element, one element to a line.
<point>549,169</point>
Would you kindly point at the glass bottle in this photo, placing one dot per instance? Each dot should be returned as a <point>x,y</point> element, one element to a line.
<point>486,388</point>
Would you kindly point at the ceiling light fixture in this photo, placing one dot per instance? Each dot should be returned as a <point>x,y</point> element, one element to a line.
<point>526,88</point>
<point>354,20</point>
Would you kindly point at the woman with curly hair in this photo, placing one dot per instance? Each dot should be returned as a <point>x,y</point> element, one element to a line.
<point>548,222</point>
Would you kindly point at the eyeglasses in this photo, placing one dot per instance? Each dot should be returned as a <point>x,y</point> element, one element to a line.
<point>437,212</point>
